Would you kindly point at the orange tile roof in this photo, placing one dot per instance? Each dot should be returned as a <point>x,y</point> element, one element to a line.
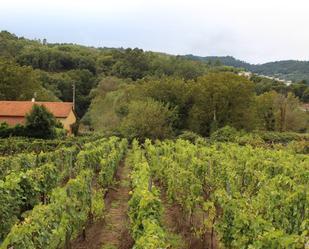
<point>21,108</point>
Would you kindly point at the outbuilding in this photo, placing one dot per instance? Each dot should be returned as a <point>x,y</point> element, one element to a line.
<point>14,112</point>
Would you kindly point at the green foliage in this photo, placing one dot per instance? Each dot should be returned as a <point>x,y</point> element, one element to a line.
<point>63,157</point>
<point>282,137</point>
<point>28,179</point>
<point>190,136</point>
<point>22,191</point>
<point>7,131</point>
<point>225,134</point>
<point>40,122</point>
<point>21,83</point>
<point>145,208</point>
<point>59,214</point>
<point>110,163</point>
<point>259,194</point>
<point>202,106</point>
<point>288,70</point>
<point>277,112</point>
<point>15,145</point>
<point>147,119</point>
<point>62,85</point>
<point>103,112</point>
<point>50,226</point>
<point>56,58</point>
<point>174,92</point>
<point>97,204</point>
<point>224,98</point>
<point>58,66</point>
<point>299,147</point>
<point>203,94</point>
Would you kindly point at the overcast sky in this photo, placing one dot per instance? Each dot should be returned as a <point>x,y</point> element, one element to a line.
<point>253,30</point>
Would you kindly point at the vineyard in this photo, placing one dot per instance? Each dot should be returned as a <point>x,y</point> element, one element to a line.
<point>106,193</point>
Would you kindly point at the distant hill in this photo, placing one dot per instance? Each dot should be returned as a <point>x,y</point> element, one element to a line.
<point>288,69</point>
<point>53,68</point>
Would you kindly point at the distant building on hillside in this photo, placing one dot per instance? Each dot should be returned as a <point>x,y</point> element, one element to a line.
<point>14,112</point>
<point>245,74</point>
<point>287,82</point>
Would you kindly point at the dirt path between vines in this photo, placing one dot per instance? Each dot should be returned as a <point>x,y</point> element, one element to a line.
<point>112,232</point>
<point>179,232</point>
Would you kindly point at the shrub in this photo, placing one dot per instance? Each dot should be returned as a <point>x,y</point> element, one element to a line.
<point>282,137</point>
<point>225,134</point>
<point>148,119</point>
<point>17,130</point>
<point>41,123</point>
<point>190,136</point>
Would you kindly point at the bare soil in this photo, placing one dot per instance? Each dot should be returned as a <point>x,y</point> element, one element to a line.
<point>112,232</point>
<point>174,223</point>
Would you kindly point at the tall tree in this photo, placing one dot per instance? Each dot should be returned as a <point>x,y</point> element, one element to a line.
<point>20,83</point>
<point>147,119</point>
<point>221,99</point>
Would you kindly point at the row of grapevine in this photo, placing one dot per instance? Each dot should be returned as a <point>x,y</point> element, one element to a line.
<point>14,145</point>
<point>251,197</point>
<point>62,157</point>
<point>103,157</point>
<point>52,225</point>
<point>62,151</point>
<point>74,213</point>
<point>145,208</point>
<point>21,190</point>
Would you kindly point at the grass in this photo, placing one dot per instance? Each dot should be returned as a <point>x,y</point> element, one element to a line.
<point>175,241</point>
<point>109,246</point>
<point>115,204</point>
<point>125,183</point>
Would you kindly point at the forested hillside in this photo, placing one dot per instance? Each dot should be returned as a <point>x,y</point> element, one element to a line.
<point>52,69</point>
<point>289,69</point>
<point>134,93</point>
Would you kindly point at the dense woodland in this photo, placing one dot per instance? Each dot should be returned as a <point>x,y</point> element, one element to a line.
<point>293,70</point>
<point>135,93</point>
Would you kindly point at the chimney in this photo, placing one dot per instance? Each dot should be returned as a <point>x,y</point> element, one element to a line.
<point>34,96</point>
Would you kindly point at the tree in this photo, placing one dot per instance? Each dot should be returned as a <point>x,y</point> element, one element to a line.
<point>40,122</point>
<point>171,91</point>
<point>109,99</point>
<point>221,99</point>
<point>277,112</point>
<point>266,111</point>
<point>20,83</point>
<point>305,96</point>
<point>289,116</point>
<point>133,64</point>
<point>148,119</point>
<point>299,90</point>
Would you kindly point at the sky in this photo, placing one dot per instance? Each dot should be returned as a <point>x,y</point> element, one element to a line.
<point>256,31</point>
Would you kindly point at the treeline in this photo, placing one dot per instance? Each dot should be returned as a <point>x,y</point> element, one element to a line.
<point>262,85</point>
<point>138,93</point>
<point>294,70</point>
<point>164,107</point>
<point>52,69</point>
